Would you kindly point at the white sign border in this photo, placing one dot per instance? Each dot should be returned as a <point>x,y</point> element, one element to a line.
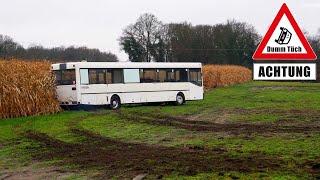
<point>283,79</point>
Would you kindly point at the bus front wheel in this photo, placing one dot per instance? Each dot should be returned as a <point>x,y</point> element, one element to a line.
<point>180,99</point>
<point>115,102</point>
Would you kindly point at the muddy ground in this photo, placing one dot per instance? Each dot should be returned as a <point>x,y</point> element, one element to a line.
<point>127,160</point>
<point>234,128</point>
<point>113,158</point>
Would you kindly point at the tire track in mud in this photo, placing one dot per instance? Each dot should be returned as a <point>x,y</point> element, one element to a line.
<point>126,160</point>
<point>232,128</point>
<point>115,158</point>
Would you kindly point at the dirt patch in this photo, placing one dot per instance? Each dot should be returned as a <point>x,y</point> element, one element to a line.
<point>312,117</point>
<point>29,172</point>
<point>231,128</point>
<point>127,160</point>
<point>313,167</point>
<point>220,117</point>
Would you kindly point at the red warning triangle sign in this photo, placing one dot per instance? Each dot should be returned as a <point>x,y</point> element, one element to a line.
<point>284,40</point>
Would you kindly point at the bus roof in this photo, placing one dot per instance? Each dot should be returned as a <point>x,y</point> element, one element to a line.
<point>73,65</point>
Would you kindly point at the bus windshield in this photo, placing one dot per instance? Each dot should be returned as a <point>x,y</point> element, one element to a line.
<point>65,77</point>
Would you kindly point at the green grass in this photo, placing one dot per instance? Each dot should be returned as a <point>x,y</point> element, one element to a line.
<point>246,103</point>
<point>112,126</point>
<point>15,153</point>
<point>299,148</point>
<point>54,125</point>
<point>254,95</point>
<point>255,117</point>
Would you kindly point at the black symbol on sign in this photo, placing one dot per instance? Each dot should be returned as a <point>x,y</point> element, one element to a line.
<point>284,37</point>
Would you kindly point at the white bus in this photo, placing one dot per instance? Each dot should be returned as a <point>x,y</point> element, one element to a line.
<point>116,83</point>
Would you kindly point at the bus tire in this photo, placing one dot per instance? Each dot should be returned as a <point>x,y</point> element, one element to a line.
<point>115,102</point>
<point>180,100</point>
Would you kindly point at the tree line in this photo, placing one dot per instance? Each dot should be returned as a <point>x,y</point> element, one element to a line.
<point>233,42</point>
<point>149,39</point>
<point>10,49</point>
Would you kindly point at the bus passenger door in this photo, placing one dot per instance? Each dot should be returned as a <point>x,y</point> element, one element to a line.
<point>196,87</point>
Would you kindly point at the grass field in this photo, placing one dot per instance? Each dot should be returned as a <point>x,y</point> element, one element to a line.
<point>267,130</point>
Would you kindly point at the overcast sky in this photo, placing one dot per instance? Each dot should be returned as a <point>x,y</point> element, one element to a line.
<point>99,23</point>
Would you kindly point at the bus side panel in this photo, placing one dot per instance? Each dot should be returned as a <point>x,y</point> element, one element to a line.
<point>94,99</point>
<point>133,92</point>
<point>148,92</point>
<point>196,92</point>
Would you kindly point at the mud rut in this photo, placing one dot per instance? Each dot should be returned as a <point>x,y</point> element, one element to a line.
<point>231,128</point>
<point>126,160</point>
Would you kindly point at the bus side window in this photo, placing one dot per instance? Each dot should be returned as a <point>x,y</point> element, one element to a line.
<point>68,77</point>
<point>181,75</point>
<point>148,76</point>
<point>97,76</point>
<point>101,76</point>
<point>114,76</point>
<point>109,76</point>
<point>84,76</point>
<point>161,75</point>
<point>92,76</point>
<point>58,77</point>
<point>195,76</point>
<point>131,75</point>
<point>170,75</point>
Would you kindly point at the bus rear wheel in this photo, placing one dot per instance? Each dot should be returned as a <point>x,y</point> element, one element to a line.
<point>180,99</point>
<point>115,102</point>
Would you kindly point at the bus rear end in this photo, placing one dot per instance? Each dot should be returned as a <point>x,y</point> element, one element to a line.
<point>66,83</point>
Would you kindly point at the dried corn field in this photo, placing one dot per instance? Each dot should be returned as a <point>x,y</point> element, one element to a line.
<point>224,75</point>
<point>26,88</point>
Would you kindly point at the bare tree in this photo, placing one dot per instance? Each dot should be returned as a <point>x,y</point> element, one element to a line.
<point>142,39</point>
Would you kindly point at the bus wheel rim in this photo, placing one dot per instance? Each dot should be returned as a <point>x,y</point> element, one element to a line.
<point>114,103</point>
